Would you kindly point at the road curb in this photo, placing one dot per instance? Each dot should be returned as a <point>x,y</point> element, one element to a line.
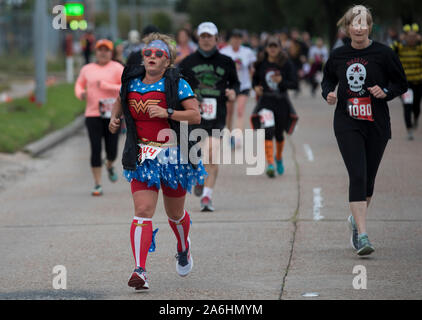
<point>54,138</point>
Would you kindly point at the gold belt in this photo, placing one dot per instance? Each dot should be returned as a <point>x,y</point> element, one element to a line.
<point>157,144</point>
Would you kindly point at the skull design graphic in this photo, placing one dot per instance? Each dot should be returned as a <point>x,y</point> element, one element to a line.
<point>356,75</point>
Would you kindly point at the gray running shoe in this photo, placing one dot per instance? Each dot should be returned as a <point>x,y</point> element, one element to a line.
<point>365,247</point>
<point>97,191</point>
<point>410,135</point>
<point>184,262</point>
<point>354,241</point>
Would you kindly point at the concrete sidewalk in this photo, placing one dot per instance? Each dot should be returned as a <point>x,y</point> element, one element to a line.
<point>261,243</point>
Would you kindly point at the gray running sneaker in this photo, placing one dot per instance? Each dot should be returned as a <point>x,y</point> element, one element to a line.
<point>365,247</point>
<point>184,262</point>
<point>354,241</point>
<point>410,136</point>
<point>97,191</point>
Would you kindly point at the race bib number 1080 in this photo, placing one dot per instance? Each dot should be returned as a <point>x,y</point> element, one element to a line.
<point>360,108</point>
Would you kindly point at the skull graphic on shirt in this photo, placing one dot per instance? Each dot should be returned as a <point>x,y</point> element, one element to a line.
<point>356,75</point>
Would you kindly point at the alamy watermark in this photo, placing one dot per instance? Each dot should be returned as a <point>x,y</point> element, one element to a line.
<point>359,21</point>
<point>59,21</point>
<point>60,278</point>
<point>360,281</point>
<point>217,149</point>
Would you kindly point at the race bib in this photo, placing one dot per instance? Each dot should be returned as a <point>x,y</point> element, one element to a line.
<point>209,109</point>
<point>360,108</point>
<point>318,76</point>
<point>267,118</point>
<point>106,105</point>
<point>147,152</point>
<point>408,97</point>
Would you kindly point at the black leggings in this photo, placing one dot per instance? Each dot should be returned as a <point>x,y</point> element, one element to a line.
<point>97,129</point>
<point>362,154</point>
<point>414,108</point>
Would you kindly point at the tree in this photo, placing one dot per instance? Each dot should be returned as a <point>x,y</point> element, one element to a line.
<point>319,17</point>
<point>162,21</point>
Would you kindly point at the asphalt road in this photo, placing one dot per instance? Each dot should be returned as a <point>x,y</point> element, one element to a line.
<point>269,239</point>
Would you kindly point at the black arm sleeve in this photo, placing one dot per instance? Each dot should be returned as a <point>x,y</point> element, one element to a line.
<point>255,76</point>
<point>329,81</point>
<point>397,78</point>
<point>290,80</point>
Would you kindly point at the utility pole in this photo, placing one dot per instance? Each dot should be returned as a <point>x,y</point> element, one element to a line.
<point>113,20</point>
<point>40,50</point>
<point>133,15</point>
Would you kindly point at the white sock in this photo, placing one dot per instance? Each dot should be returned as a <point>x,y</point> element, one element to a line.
<point>207,192</point>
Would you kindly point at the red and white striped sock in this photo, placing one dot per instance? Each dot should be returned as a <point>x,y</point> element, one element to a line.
<point>181,231</point>
<point>141,238</point>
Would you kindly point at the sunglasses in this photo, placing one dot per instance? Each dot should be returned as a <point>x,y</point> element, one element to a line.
<point>273,45</point>
<point>157,52</point>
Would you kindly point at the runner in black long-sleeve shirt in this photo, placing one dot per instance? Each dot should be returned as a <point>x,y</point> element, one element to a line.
<point>368,75</point>
<point>213,78</point>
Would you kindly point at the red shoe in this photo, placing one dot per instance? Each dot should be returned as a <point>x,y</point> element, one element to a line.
<point>138,279</point>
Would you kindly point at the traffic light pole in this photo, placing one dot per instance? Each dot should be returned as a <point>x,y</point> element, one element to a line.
<point>40,50</point>
<point>113,20</point>
<point>133,15</point>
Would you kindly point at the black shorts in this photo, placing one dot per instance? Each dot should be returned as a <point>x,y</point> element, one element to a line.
<point>209,129</point>
<point>245,92</point>
<point>219,123</point>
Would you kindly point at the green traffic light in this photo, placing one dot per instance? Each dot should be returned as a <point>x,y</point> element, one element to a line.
<point>74,9</point>
<point>74,25</point>
<point>83,25</point>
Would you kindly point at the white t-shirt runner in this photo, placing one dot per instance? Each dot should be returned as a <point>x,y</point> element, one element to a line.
<point>243,59</point>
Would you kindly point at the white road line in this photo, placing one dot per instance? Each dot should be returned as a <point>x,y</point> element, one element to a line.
<point>309,152</point>
<point>318,199</point>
